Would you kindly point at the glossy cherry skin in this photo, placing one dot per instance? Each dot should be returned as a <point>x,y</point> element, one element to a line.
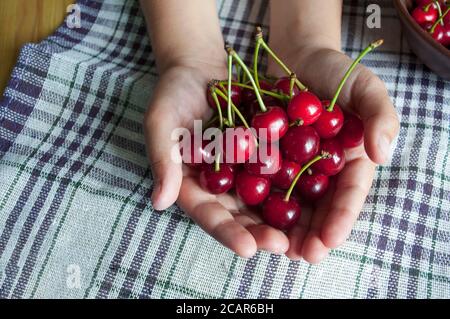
<point>279,213</point>
<point>265,162</point>
<point>439,34</point>
<point>423,17</point>
<point>251,189</point>
<point>285,176</point>
<point>271,125</point>
<point>238,145</point>
<point>217,182</point>
<point>333,165</point>
<point>196,153</point>
<point>235,97</point>
<point>283,85</point>
<point>329,123</point>
<point>249,110</point>
<point>446,31</point>
<point>248,96</point>
<point>300,144</point>
<point>352,133</point>
<point>304,107</point>
<point>312,187</point>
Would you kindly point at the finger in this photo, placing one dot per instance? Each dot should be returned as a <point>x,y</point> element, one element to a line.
<point>267,238</point>
<point>297,235</point>
<point>352,187</point>
<point>371,101</point>
<point>215,219</point>
<point>164,162</point>
<point>313,249</point>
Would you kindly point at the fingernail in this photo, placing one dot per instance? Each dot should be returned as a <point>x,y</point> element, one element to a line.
<point>384,145</point>
<point>155,194</point>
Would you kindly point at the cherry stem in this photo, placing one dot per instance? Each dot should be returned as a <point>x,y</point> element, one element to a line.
<point>297,122</point>
<point>238,71</point>
<point>230,66</point>
<point>441,18</point>
<point>233,53</point>
<point>211,121</point>
<point>235,109</point>
<point>270,93</point>
<point>291,85</point>
<point>371,46</point>
<point>255,59</point>
<point>217,162</point>
<point>260,41</point>
<point>438,5</point>
<point>213,90</point>
<point>304,168</point>
<point>428,6</point>
<point>239,114</point>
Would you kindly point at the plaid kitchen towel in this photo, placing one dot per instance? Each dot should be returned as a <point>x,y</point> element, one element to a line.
<point>75,215</point>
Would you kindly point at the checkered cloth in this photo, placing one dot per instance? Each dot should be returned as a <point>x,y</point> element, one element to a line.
<point>75,183</point>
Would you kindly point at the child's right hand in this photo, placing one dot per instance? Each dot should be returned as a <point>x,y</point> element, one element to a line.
<point>179,99</point>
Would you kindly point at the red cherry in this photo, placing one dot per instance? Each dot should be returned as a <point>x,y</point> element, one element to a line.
<point>300,144</point>
<point>312,187</point>
<point>447,19</point>
<point>446,37</point>
<point>248,95</point>
<point>304,107</point>
<point>279,213</point>
<point>439,34</point>
<point>352,133</point>
<point>251,189</point>
<point>249,110</point>
<point>265,162</point>
<point>238,145</point>
<point>235,97</point>
<point>271,125</point>
<point>285,176</point>
<point>283,85</point>
<point>195,152</point>
<point>423,17</point>
<point>334,164</point>
<point>329,123</point>
<point>217,182</point>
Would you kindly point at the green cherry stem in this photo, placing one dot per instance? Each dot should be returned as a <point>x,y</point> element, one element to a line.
<point>371,46</point>
<point>235,109</point>
<point>323,155</point>
<point>255,59</point>
<point>217,162</point>
<point>239,114</point>
<point>230,67</point>
<point>438,5</point>
<point>279,96</point>
<point>211,121</point>
<point>213,91</point>
<point>235,56</point>
<point>441,18</point>
<point>291,85</point>
<point>260,41</point>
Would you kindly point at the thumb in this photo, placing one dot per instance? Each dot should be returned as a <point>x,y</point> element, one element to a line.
<point>381,125</point>
<point>164,162</point>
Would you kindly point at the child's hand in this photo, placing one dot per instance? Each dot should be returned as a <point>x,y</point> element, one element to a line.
<point>331,222</point>
<point>179,99</point>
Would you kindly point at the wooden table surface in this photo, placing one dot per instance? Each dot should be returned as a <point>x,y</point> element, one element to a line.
<point>23,21</point>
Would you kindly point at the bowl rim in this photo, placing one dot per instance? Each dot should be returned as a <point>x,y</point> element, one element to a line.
<point>403,10</point>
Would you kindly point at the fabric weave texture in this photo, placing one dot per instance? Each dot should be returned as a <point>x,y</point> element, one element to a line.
<point>75,183</point>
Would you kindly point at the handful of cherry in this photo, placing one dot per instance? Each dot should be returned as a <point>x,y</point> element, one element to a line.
<point>292,148</point>
<point>434,17</point>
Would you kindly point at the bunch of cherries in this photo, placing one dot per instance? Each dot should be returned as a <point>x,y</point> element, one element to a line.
<point>434,17</point>
<point>295,141</point>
